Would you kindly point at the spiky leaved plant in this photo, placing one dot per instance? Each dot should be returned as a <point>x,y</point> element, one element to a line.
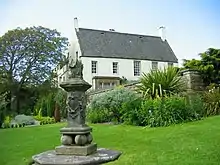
<point>159,83</point>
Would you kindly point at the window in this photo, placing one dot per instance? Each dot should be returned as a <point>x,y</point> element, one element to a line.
<point>100,85</point>
<point>137,68</point>
<point>115,67</point>
<point>170,64</point>
<point>154,65</point>
<point>113,84</point>
<point>106,85</point>
<point>63,78</point>
<point>94,66</point>
<point>60,79</point>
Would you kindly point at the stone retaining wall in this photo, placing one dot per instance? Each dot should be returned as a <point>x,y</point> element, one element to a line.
<point>90,94</point>
<point>191,78</point>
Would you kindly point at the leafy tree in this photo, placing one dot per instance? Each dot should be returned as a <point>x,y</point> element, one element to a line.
<point>27,56</point>
<point>209,65</point>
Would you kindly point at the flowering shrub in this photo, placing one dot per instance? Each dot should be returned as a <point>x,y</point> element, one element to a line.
<point>212,101</point>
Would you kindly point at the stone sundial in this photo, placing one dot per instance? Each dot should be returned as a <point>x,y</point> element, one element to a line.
<point>77,147</point>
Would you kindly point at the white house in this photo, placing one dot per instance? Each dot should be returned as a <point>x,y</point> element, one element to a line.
<point>108,56</point>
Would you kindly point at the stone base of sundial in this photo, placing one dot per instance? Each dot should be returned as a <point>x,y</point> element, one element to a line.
<point>76,149</point>
<point>101,156</point>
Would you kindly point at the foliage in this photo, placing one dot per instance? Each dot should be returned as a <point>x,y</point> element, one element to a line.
<point>162,111</point>
<point>108,105</point>
<point>208,65</point>
<point>60,101</point>
<point>44,120</point>
<point>98,115</point>
<point>159,83</point>
<point>129,112</point>
<point>7,121</point>
<point>133,110</point>
<point>27,57</point>
<point>212,101</point>
<point>52,103</point>
<point>167,111</point>
<point>3,104</point>
<point>27,120</point>
<point>46,104</point>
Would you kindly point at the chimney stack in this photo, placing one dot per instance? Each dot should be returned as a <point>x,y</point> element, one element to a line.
<point>162,33</point>
<point>76,26</point>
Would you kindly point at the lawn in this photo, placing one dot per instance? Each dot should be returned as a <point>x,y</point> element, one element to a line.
<point>191,143</point>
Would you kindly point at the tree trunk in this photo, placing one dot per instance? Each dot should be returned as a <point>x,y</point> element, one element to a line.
<point>13,102</point>
<point>57,113</point>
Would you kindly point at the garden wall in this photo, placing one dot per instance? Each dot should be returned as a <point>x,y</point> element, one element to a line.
<point>91,94</point>
<point>191,78</point>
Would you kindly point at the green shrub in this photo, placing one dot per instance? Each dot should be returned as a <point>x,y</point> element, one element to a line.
<point>7,121</point>
<point>107,106</point>
<point>44,120</point>
<point>162,111</point>
<point>158,83</point>
<point>196,104</point>
<point>169,110</point>
<point>3,109</point>
<point>127,107</point>
<point>212,101</point>
<point>130,110</point>
<point>98,115</point>
<point>49,102</point>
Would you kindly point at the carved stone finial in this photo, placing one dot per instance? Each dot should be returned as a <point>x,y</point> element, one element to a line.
<point>75,69</point>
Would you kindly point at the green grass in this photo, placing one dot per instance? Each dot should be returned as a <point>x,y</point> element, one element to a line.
<point>187,144</point>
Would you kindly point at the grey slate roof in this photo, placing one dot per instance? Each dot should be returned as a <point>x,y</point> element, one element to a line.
<point>108,44</point>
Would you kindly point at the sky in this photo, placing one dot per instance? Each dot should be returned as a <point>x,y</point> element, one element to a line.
<point>192,26</point>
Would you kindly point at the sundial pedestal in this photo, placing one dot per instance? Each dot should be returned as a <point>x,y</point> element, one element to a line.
<point>77,147</point>
<point>76,137</point>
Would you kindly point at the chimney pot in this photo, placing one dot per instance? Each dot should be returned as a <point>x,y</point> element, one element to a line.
<point>76,26</point>
<point>162,33</point>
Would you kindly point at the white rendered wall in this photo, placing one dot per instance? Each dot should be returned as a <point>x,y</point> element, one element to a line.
<point>125,67</point>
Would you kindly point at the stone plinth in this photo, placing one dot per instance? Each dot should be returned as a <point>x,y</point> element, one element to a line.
<point>51,158</point>
<point>76,150</point>
<point>192,80</point>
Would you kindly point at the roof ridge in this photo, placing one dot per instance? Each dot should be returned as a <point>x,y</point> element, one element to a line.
<point>142,35</point>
